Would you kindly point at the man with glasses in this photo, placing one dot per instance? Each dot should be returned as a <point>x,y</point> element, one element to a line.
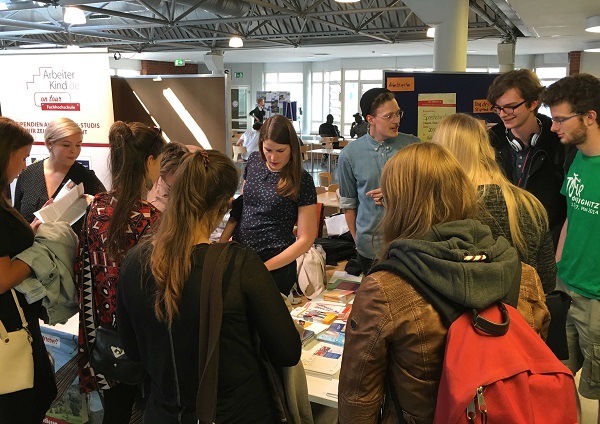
<point>574,103</point>
<point>531,155</point>
<point>360,165</point>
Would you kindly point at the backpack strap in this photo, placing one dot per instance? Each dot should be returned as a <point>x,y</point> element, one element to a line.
<point>492,328</point>
<point>211,317</point>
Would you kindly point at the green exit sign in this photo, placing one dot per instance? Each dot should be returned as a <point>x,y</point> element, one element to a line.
<point>239,75</point>
<point>179,62</point>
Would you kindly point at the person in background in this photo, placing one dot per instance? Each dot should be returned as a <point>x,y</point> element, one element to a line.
<point>278,194</point>
<point>250,140</point>
<point>508,210</point>
<point>43,179</point>
<point>327,129</point>
<point>397,336</point>
<point>158,320</point>
<point>27,406</point>
<point>359,127</point>
<point>172,156</point>
<point>528,152</point>
<point>259,112</point>
<point>574,103</point>
<point>360,165</point>
<point>115,222</point>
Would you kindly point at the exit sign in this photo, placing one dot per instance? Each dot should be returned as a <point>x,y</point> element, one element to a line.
<point>239,75</point>
<point>179,62</point>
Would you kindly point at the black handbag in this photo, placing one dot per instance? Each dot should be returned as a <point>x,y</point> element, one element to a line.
<point>107,357</point>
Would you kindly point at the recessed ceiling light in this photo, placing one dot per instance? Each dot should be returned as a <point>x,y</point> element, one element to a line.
<point>431,32</point>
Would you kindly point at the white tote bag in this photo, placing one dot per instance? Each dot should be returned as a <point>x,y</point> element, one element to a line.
<point>311,272</point>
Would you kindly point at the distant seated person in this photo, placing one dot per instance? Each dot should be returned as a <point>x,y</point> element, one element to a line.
<point>327,129</point>
<point>258,113</point>
<point>250,140</point>
<point>358,127</point>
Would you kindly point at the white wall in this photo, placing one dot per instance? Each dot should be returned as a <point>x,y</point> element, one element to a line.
<point>590,63</point>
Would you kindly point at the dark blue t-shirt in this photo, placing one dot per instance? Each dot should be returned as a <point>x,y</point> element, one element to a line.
<point>268,219</point>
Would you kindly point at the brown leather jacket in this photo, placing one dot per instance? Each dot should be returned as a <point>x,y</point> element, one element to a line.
<point>401,338</point>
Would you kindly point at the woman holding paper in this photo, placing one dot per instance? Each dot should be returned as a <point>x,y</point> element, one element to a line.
<point>27,406</point>
<point>115,222</point>
<point>43,180</point>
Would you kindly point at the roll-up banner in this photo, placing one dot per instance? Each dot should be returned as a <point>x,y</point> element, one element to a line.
<point>41,85</point>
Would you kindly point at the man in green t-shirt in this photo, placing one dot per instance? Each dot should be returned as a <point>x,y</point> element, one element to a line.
<point>574,103</point>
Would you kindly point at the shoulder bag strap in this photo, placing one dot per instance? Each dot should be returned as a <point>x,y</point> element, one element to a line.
<point>3,332</point>
<point>211,316</point>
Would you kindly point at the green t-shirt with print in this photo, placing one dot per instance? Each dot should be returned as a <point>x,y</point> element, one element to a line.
<point>578,267</point>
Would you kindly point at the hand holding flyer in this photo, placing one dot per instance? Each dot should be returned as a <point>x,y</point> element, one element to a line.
<point>69,205</point>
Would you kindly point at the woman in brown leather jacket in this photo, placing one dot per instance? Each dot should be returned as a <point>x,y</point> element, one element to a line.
<point>396,333</point>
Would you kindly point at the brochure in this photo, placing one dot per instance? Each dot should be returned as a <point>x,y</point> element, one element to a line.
<point>69,205</point>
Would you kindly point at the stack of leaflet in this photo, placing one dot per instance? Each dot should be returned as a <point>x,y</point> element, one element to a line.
<point>311,330</point>
<point>323,360</point>
<point>335,334</point>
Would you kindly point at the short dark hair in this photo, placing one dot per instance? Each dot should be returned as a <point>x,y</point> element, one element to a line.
<point>581,91</point>
<point>523,80</point>
<point>257,126</point>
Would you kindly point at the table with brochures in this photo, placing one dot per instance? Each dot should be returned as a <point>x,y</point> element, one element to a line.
<point>322,354</point>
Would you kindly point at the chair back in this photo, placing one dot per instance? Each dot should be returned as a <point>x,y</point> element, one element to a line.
<point>333,187</point>
<point>237,151</point>
<point>324,179</point>
<point>320,190</point>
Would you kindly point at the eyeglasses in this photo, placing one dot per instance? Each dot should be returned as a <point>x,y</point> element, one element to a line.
<point>559,121</point>
<point>506,109</point>
<point>389,116</point>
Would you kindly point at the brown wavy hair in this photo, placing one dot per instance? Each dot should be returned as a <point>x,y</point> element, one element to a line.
<point>131,144</point>
<point>204,183</point>
<point>280,130</point>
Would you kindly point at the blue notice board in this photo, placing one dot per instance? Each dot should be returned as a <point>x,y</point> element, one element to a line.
<point>470,88</point>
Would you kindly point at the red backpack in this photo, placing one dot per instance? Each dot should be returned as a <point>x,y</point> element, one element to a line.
<point>502,373</point>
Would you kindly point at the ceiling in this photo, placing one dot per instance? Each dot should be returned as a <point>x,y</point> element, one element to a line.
<point>290,30</point>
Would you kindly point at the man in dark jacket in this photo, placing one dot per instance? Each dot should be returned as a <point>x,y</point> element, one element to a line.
<point>531,155</point>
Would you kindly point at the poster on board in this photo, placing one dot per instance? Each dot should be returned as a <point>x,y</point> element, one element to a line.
<point>42,86</point>
<point>274,101</point>
<point>432,108</point>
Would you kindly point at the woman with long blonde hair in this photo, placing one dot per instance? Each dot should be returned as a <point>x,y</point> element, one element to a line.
<point>508,210</point>
<point>432,270</point>
<point>159,312</point>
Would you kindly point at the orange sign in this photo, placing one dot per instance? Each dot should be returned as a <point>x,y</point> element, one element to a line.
<point>401,84</point>
<point>482,106</point>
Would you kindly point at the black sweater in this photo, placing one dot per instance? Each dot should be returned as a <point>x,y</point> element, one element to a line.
<point>251,302</point>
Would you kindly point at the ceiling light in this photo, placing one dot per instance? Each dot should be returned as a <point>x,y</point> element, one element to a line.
<point>236,42</point>
<point>431,32</point>
<point>347,1</point>
<point>73,16</point>
<point>592,24</point>
<point>3,6</point>
<point>592,47</point>
<point>38,46</point>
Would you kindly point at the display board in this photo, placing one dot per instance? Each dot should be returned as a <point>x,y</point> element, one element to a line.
<point>426,97</point>
<point>42,85</point>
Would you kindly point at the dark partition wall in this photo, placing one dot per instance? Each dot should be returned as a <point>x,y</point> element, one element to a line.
<point>470,88</point>
<point>190,110</point>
